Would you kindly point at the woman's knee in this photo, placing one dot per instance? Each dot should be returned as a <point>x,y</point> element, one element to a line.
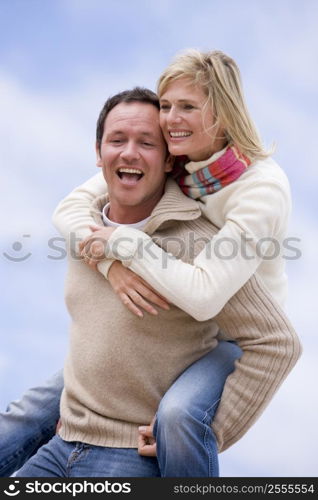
<point>174,417</point>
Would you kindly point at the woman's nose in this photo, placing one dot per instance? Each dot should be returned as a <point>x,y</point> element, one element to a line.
<point>173,116</point>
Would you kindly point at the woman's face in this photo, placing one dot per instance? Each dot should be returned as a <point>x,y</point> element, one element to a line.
<point>186,126</point>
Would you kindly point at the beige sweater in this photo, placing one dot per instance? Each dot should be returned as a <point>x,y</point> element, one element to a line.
<point>119,366</point>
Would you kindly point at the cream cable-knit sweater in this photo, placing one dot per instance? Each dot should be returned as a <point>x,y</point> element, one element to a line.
<point>119,366</point>
<point>252,213</point>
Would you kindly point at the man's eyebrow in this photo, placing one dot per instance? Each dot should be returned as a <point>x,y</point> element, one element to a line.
<point>148,134</point>
<point>143,133</point>
<point>111,132</point>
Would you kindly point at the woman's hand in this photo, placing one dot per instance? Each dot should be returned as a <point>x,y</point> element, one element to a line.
<point>92,249</point>
<point>146,441</point>
<point>133,291</point>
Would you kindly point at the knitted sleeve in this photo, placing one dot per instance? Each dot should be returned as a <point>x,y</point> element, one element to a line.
<point>270,350</point>
<point>72,217</point>
<point>254,219</point>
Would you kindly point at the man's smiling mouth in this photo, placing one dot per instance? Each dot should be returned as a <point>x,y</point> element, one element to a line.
<point>129,175</point>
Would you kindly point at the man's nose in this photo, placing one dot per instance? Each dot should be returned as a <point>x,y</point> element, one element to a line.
<point>130,152</point>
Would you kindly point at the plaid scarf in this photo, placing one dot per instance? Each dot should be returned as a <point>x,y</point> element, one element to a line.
<point>221,172</point>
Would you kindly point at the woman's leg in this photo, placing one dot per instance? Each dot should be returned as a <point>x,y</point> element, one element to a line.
<point>29,423</point>
<point>186,445</point>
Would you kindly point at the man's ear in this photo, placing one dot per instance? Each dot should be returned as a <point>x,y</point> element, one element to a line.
<point>169,161</point>
<point>98,158</point>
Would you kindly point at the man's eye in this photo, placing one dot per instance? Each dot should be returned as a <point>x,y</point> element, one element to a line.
<point>148,144</point>
<point>116,141</point>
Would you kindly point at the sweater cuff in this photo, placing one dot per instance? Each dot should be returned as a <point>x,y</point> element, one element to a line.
<point>124,243</point>
<point>103,267</point>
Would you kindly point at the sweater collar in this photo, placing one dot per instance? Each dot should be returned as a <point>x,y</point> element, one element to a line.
<point>173,205</point>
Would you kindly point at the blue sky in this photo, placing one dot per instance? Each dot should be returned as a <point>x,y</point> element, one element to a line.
<point>59,61</point>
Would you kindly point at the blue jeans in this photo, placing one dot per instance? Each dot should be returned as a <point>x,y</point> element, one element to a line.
<point>61,458</point>
<point>186,445</point>
<point>29,423</point>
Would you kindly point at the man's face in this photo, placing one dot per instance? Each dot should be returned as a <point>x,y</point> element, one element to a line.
<point>133,156</point>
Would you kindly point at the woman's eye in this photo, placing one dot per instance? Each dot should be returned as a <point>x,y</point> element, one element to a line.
<point>164,107</point>
<point>188,106</point>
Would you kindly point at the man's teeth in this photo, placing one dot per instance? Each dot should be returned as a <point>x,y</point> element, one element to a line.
<point>179,134</point>
<point>130,171</point>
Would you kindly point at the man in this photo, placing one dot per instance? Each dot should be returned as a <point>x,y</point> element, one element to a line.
<point>118,368</point>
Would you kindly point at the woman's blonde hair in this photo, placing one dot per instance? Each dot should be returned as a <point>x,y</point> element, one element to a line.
<point>219,77</point>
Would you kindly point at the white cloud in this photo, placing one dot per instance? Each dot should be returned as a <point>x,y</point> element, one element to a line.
<point>283,441</point>
<point>39,141</point>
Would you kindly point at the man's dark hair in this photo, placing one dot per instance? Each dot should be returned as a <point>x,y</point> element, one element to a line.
<point>137,94</point>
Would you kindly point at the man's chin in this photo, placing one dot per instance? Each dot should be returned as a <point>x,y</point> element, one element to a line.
<point>130,201</point>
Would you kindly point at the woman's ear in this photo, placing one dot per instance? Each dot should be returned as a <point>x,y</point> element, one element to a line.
<point>169,162</point>
<point>98,157</point>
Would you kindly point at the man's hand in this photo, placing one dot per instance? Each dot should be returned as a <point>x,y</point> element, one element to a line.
<point>58,426</point>
<point>92,249</point>
<point>146,441</point>
<point>133,291</point>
